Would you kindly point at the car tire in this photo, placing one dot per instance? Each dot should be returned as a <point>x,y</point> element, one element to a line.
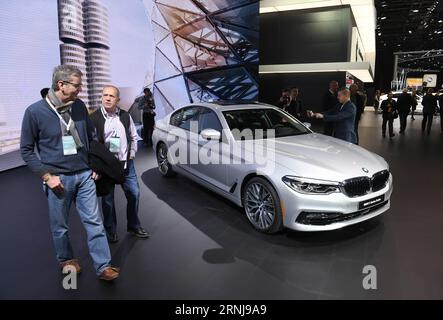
<point>262,206</point>
<point>164,166</point>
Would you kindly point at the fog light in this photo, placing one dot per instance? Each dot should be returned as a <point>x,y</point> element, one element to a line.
<point>317,218</point>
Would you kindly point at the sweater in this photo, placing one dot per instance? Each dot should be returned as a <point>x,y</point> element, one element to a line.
<point>41,129</point>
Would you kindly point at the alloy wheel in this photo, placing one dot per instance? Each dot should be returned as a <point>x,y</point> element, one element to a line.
<point>259,206</point>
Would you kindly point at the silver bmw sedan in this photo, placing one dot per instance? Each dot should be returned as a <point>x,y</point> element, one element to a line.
<point>272,165</point>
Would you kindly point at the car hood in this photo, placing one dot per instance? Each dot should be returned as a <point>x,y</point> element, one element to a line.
<point>319,157</point>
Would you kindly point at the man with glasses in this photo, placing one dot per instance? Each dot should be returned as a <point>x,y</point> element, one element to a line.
<point>59,127</point>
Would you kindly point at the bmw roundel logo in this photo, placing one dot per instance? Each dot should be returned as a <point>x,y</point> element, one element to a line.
<point>365,170</point>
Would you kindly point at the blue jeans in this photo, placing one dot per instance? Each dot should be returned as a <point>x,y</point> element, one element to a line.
<point>132,192</point>
<point>80,188</point>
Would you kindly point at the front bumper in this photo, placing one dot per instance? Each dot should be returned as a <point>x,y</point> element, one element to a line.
<point>339,210</point>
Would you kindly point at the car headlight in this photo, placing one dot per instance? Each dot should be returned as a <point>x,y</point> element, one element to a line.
<point>311,186</point>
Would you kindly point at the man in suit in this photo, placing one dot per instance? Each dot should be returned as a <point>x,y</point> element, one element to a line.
<point>342,117</point>
<point>359,101</point>
<point>404,105</point>
<point>388,108</point>
<point>440,102</point>
<point>330,101</point>
<point>294,107</point>
<point>283,102</point>
<point>429,107</point>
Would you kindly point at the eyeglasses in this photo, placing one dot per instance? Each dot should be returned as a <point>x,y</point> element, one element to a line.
<point>75,85</point>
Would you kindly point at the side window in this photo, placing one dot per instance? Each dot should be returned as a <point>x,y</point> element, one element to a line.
<point>189,114</point>
<point>175,118</point>
<point>208,120</point>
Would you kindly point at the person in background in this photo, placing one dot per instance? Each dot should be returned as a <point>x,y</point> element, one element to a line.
<point>342,117</point>
<point>440,103</point>
<point>116,130</point>
<point>359,102</point>
<point>283,102</point>
<point>404,105</point>
<point>330,102</point>
<point>44,92</point>
<point>414,103</point>
<point>295,107</point>
<point>147,105</point>
<point>377,100</point>
<point>429,108</point>
<point>389,108</point>
<point>59,128</point>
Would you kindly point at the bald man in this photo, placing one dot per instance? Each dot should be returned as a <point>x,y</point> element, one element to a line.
<point>116,130</point>
<point>343,117</point>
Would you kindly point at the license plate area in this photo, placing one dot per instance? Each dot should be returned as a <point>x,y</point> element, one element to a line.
<point>371,202</point>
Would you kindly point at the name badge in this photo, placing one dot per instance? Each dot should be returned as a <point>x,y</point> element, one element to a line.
<point>69,146</point>
<point>114,145</point>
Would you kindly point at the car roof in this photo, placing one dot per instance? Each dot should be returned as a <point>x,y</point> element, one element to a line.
<point>228,106</point>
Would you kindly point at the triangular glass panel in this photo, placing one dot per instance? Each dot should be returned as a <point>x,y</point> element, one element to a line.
<point>195,58</point>
<point>175,90</point>
<point>162,106</point>
<point>167,46</point>
<point>186,5</point>
<point>164,67</point>
<point>158,18</point>
<point>159,32</point>
<point>246,16</point>
<point>216,5</point>
<point>202,33</point>
<point>176,18</point>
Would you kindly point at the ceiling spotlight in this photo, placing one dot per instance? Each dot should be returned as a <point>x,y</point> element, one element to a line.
<point>410,31</point>
<point>415,10</point>
<point>383,18</point>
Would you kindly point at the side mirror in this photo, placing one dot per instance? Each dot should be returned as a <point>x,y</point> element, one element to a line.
<point>307,125</point>
<point>210,134</point>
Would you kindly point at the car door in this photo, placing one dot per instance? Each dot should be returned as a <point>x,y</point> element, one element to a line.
<point>182,122</point>
<point>207,156</point>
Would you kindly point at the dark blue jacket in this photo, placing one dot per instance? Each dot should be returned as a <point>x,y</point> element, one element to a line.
<point>343,118</point>
<point>41,129</point>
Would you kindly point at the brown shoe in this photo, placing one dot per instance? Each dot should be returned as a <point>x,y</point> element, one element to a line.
<point>109,274</point>
<point>73,262</point>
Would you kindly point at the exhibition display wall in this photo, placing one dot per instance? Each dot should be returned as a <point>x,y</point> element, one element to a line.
<point>309,37</point>
<point>305,36</point>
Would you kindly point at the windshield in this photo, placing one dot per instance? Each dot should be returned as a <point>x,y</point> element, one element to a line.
<point>259,121</point>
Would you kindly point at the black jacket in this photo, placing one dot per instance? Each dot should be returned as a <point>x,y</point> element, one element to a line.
<point>429,104</point>
<point>295,109</point>
<point>330,101</point>
<point>102,161</point>
<point>404,103</point>
<point>385,108</point>
<point>359,103</point>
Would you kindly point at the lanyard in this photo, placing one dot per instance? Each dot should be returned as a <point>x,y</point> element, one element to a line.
<point>68,125</point>
<point>105,115</point>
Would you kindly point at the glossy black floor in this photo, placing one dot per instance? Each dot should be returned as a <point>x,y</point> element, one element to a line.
<point>203,247</point>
